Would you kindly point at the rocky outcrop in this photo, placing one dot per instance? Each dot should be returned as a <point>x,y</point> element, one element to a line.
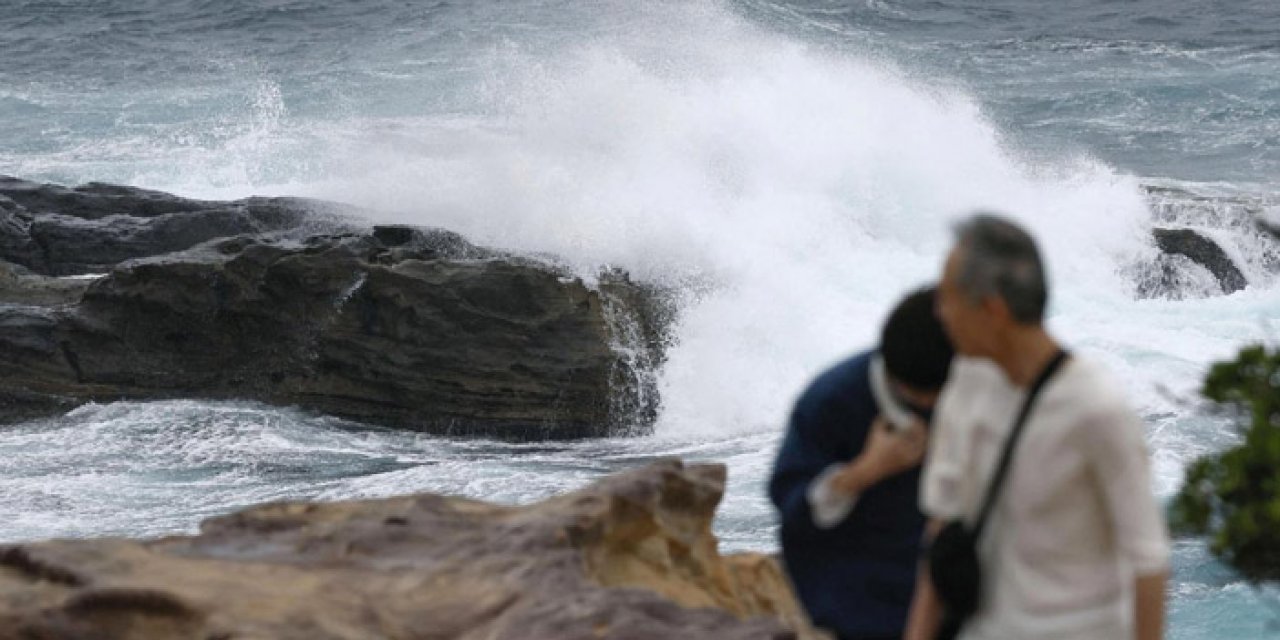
<point>1204,252</point>
<point>1211,241</point>
<point>630,556</point>
<point>54,230</point>
<point>392,325</point>
<point>400,327</point>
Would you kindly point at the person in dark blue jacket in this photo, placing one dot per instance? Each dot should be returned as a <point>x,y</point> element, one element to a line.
<point>846,480</point>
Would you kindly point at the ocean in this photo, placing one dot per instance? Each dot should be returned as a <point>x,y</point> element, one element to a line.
<point>786,169</point>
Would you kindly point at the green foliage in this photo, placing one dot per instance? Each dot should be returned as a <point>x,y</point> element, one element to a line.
<point>1234,496</point>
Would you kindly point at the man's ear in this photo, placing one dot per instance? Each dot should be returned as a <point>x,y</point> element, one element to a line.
<point>997,309</point>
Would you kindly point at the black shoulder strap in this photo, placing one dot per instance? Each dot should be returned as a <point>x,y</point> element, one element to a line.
<point>1007,456</point>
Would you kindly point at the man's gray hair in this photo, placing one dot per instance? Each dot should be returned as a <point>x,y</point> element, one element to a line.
<point>999,258</point>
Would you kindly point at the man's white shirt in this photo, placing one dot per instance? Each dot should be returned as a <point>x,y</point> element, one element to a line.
<point>1076,519</point>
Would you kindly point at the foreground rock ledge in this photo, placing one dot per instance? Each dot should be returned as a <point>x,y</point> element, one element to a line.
<point>629,556</point>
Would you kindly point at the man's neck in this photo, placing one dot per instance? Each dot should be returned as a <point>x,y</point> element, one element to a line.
<point>1024,353</point>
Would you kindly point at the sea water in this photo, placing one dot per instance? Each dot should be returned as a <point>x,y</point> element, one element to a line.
<point>786,169</point>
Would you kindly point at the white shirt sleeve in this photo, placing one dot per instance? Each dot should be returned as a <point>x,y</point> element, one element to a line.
<point>828,506</point>
<point>1114,443</point>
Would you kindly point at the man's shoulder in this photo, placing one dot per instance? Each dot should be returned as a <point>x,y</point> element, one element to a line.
<point>970,380</point>
<point>1092,382</point>
<point>845,380</point>
<point>971,371</point>
<point>839,376</point>
<point>1083,398</point>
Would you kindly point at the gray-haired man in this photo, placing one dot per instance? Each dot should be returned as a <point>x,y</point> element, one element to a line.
<point>1075,546</point>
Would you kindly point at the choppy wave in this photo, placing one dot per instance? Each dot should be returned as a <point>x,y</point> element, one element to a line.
<point>157,468</point>
<point>786,168</point>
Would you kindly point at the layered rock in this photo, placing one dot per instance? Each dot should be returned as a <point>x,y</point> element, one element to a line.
<point>287,301</point>
<point>55,230</point>
<point>630,556</point>
<point>400,327</point>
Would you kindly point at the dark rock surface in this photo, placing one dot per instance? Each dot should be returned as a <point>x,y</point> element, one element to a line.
<point>1204,252</point>
<point>398,326</point>
<point>631,556</point>
<point>1270,224</point>
<point>54,230</point>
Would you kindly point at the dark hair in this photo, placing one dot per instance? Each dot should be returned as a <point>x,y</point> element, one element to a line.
<point>914,345</point>
<point>999,258</point>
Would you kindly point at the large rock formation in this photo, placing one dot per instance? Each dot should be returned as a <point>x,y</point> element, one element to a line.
<point>631,556</point>
<point>430,334</point>
<point>406,327</point>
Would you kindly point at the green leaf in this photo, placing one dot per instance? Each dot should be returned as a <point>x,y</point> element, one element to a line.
<point>1234,496</point>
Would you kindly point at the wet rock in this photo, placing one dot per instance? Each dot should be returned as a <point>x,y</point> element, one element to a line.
<point>630,556</point>
<point>19,286</point>
<point>55,230</point>
<point>432,334</point>
<point>1204,252</point>
<point>1172,277</point>
<point>1269,222</point>
<point>298,302</point>
<point>94,200</point>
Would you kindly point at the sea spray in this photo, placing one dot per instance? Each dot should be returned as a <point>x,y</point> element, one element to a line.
<point>787,175</point>
<point>809,189</point>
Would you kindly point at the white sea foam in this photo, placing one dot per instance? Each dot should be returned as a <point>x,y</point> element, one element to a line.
<point>800,192</point>
<point>788,194</point>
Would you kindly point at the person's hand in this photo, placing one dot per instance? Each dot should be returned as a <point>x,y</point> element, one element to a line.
<point>885,453</point>
<point>892,452</point>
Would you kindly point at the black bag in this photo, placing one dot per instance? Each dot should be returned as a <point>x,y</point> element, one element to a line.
<point>953,556</point>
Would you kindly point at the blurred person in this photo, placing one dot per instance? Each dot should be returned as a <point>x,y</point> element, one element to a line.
<point>1075,545</point>
<point>847,476</point>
